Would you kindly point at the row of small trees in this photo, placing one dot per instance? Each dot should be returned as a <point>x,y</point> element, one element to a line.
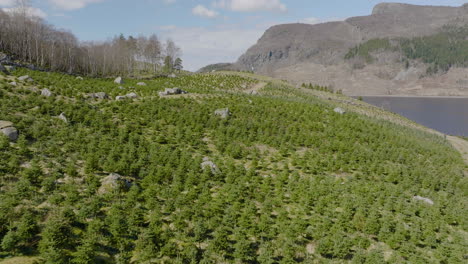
<point>31,39</point>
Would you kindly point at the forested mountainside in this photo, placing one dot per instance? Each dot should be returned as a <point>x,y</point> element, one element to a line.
<point>424,62</point>
<point>224,169</point>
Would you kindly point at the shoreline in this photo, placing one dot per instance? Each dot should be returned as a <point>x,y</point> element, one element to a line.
<point>413,96</point>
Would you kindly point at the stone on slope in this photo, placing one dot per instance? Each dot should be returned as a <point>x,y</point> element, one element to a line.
<point>63,117</point>
<point>339,110</point>
<point>113,182</point>
<point>7,129</point>
<point>99,95</point>
<point>25,78</point>
<point>223,112</point>
<point>118,80</point>
<point>423,199</point>
<point>79,78</point>
<point>172,91</point>
<point>141,84</point>
<point>208,164</point>
<point>13,83</point>
<point>46,92</point>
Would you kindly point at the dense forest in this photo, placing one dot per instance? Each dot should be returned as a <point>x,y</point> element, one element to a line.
<point>282,179</point>
<point>441,51</point>
<point>30,39</point>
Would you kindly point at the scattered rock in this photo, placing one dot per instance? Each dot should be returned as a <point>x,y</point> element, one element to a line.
<point>118,80</point>
<point>141,84</point>
<point>113,182</point>
<point>79,78</point>
<point>100,95</point>
<point>46,92</point>
<point>423,199</point>
<point>172,76</point>
<point>63,117</point>
<point>127,96</point>
<point>7,129</point>
<point>13,83</point>
<point>131,95</point>
<point>10,68</point>
<point>172,91</point>
<point>223,113</point>
<point>210,165</point>
<point>25,78</point>
<point>339,110</point>
<point>254,92</point>
<point>121,88</point>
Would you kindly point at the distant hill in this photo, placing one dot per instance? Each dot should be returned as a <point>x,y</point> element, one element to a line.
<point>316,53</point>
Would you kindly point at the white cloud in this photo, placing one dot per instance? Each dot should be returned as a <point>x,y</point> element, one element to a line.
<point>7,2</point>
<point>202,11</point>
<point>251,5</point>
<point>203,46</point>
<point>72,4</point>
<point>31,11</point>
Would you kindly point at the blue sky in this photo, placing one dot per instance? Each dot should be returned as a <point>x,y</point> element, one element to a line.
<point>208,31</point>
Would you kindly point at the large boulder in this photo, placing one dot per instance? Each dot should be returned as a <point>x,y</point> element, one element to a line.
<point>7,129</point>
<point>172,91</point>
<point>46,92</point>
<point>127,96</point>
<point>223,112</point>
<point>339,110</point>
<point>99,95</point>
<point>25,78</point>
<point>118,80</point>
<point>113,182</point>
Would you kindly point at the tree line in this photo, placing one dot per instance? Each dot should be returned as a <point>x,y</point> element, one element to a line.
<point>30,39</point>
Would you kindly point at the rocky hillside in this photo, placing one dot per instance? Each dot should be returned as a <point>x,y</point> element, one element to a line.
<point>216,168</point>
<point>316,53</point>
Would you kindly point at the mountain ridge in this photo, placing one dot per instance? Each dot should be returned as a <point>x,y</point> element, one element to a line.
<point>282,50</point>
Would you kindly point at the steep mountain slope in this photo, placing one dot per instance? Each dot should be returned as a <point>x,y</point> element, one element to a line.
<point>282,177</point>
<point>316,53</point>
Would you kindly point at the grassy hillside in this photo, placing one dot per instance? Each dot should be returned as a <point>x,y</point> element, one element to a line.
<point>289,181</point>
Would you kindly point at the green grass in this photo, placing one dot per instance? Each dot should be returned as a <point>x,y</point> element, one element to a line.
<point>297,182</point>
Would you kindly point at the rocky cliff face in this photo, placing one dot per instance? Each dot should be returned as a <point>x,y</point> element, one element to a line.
<point>286,45</point>
<point>324,45</point>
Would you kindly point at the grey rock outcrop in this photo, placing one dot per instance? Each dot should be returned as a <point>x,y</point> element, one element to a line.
<point>113,182</point>
<point>423,199</point>
<point>127,96</point>
<point>10,68</point>
<point>13,83</point>
<point>7,129</point>
<point>99,95</point>
<point>141,84</point>
<point>25,78</point>
<point>223,112</point>
<point>208,164</point>
<point>118,80</point>
<point>46,92</point>
<point>339,110</point>
<point>172,91</point>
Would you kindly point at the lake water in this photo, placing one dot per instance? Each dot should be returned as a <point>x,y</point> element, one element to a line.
<point>447,115</point>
